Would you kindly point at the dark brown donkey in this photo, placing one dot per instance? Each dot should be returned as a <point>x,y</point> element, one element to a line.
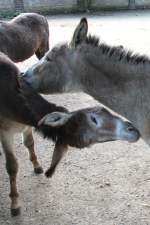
<point>22,108</point>
<point>23,36</point>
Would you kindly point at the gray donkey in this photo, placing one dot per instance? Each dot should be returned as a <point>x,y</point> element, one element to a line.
<point>114,76</point>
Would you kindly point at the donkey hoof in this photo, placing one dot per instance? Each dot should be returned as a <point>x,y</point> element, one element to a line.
<point>16,212</point>
<point>49,173</point>
<point>38,170</point>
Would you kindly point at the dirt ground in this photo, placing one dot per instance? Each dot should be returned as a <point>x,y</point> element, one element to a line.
<point>107,184</point>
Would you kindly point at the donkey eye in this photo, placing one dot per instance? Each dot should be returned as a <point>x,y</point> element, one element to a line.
<point>94,120</point>
<point>57,118</point>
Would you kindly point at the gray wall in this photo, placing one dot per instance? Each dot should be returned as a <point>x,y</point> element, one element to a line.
<point>141,3</point>
<point>108,4</point>
<point>70,5</point>
<point>52,5</point>
<point>6,5</point>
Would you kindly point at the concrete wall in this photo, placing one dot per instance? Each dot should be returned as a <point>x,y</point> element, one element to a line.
<point>70,5</point>
<point>107,4</point>
<point>49,5</point>
<point>74,5</point>
<point>7,5</point>
<point>142,3</point>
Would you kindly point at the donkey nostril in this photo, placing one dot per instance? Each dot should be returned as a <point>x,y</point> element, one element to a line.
<point>130,133</point>
<point>129,126</point>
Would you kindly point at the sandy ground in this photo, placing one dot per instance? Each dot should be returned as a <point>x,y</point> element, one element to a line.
<point>107,184</point>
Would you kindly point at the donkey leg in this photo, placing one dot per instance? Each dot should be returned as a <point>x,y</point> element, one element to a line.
<point>29,143</point>
<point>59,150</point>
<point>12,169</point>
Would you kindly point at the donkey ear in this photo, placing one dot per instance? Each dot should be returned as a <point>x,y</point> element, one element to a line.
<point>80,33</point>
<point>55,119</point>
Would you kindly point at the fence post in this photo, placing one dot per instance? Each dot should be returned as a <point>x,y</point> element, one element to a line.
<point>131,4</point>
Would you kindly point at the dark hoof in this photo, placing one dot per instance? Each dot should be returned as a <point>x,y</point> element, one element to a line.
<point>38,170</point>
<point>49,173</point>
<point>16,212</point>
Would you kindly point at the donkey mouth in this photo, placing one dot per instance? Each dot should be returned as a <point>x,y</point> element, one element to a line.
<point>26,76</point>
<point>131,134</point>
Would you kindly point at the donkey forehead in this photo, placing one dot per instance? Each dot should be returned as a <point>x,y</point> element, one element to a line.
<point>94,110</point>
<point>100,113</point>
<point>86,113</point>
<point>56,52</point>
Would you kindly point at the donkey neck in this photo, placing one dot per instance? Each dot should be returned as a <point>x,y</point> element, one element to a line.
<point>117,84</point>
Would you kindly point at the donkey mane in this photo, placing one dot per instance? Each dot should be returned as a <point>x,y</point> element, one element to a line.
<point>116,53</point>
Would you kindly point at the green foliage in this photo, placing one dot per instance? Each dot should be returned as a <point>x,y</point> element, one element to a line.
<point>8,14</point>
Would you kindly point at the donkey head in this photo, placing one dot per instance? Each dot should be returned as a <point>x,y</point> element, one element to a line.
<point>38,75</point>
<point>80,33</point>
<point>85,127</point>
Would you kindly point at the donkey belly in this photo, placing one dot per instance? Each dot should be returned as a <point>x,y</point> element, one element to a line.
<point>23,51</point>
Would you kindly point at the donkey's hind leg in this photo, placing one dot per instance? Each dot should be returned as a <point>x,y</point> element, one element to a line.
<point>29,143</point>
<point>12,169</point>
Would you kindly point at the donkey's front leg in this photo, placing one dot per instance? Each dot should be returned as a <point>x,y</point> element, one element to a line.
<point>12,169</point>
<point>29,143</point>
<point>59,150</point>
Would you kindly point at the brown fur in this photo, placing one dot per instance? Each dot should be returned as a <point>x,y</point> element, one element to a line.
<point>23,36</point>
